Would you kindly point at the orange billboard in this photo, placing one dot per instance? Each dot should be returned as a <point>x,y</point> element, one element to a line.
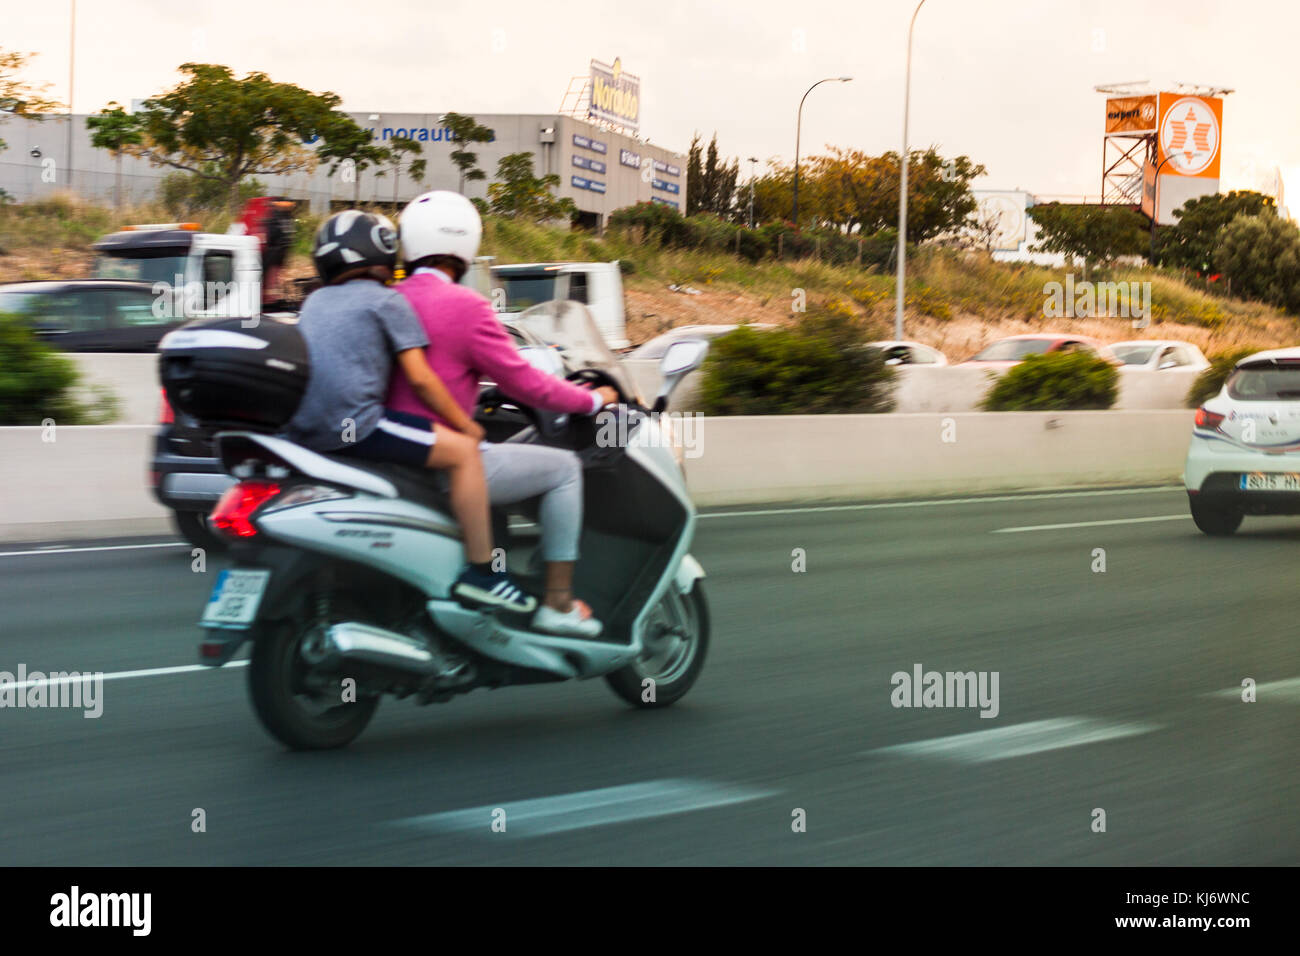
<point>1131,114</point>
<point>1188,136</point>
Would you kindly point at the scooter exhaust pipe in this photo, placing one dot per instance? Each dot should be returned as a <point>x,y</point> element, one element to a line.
<point>354,641</point>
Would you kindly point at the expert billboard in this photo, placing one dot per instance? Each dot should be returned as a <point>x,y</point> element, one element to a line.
<point>1131,114</point>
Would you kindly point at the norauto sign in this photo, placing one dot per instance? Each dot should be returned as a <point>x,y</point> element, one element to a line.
<point>615,95</point>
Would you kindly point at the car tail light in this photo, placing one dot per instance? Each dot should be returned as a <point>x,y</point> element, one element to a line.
<point>1208,419</point>
<point>234,512</point>
<point>165,414</point>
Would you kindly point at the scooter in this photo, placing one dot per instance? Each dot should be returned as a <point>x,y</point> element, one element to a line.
<point>342,569</point>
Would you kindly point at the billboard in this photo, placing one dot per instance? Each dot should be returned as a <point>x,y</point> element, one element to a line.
<point>1189,132</point>
<point>615,96</point>
<point>1131,114</point>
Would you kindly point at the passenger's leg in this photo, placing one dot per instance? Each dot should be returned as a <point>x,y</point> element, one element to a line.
<point>457,455</point>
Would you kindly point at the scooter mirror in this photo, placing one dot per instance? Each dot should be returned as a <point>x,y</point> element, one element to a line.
<point>683,356</point>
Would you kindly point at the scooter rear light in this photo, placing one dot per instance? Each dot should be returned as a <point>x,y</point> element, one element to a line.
<point>233,515</point>
<point>1208,419</point>
<point>165,414</point>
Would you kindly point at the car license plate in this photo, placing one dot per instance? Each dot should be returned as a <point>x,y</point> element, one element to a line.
<point>235,598</point>
<point>1270,481</point>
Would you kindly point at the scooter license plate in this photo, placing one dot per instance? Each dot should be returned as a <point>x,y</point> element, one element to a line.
<point>235,598</point>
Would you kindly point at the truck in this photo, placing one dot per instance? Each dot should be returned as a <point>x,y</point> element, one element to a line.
<point>199,275</point>
<point>597,285</point>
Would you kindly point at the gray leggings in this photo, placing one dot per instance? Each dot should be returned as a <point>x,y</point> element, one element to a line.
<point>518,472</point>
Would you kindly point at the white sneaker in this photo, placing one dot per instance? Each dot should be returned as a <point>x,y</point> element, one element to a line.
<point>567,624</point>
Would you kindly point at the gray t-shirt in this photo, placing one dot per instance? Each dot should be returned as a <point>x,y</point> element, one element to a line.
<point>352,331</point>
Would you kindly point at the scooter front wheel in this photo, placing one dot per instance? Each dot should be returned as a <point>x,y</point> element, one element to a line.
<point>677,639</point>
<point>300,716</point>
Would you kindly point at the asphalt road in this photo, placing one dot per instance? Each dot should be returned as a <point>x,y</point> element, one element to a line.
<point>1109,697</point>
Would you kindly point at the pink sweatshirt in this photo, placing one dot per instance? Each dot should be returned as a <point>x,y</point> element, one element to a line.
<point>467,344</point>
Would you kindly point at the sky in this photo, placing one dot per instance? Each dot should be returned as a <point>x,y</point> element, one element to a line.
<point>1007,82</point>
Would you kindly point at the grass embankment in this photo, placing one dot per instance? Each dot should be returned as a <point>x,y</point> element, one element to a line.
<point>955,301</point>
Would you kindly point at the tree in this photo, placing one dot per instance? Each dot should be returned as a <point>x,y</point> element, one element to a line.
<point>467,131</point>
<point>710,182</point>
<point>1191,242</point>
<point>520,194</point>
<point>1097,234</point>
<point>114,129</point>
<point>1260,255</point>
<point>17,96</point>
<point>224,128</point>
<point>399,147</point>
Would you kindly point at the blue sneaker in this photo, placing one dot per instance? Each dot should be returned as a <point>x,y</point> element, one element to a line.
<point>493,589</point>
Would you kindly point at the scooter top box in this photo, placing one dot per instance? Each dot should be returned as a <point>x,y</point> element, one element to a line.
<point>235,373</point>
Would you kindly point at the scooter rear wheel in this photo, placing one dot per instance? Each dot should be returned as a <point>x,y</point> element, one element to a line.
<point>677,640</point>
<point>294,715</point>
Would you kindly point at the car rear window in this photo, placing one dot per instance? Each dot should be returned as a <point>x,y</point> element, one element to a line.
<point>1013,350</point>
<point>1133,354</point>
<point>1265,382</point>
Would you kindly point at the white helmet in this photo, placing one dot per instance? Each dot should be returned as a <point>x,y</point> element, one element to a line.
<point>440,223</point>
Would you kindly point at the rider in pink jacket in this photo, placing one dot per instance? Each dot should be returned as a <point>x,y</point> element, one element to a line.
<point>440,234</point>
<point>468,343</point>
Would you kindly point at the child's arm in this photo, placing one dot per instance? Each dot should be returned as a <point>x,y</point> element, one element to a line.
<point>426,384</point>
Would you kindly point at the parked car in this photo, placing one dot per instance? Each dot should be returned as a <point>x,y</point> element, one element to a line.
<point>910,353</point>
<point>1159,355</point>
<point>89,315</point>
<point>1244,457</point>
<point>1007,352</point>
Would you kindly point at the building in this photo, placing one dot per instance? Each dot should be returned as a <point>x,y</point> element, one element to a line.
<point>600,170</point>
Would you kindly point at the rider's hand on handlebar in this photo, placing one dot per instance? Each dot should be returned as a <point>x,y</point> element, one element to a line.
<point>608,395</point>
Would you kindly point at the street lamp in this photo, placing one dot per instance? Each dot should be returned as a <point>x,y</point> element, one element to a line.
<point>1155,200</point>
<point>902,185</point>
<point>753,161</point>
<point>798,126</point>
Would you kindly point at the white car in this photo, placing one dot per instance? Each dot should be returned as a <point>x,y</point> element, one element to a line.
<point>1159,355</point>
<point>909,353</point>
<point>1245,452</point>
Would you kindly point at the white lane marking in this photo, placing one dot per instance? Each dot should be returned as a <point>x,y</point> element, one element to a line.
<point>814,509</point>
<point>1018,740</point>
<point>1090,524</point>
<point>589,808</point>
<point>931,502</point>
<point>103,547</point>
<point>120,675</point>
<point>1287,691</point>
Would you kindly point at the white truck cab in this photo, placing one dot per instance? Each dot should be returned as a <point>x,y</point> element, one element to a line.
<point>597,285</point>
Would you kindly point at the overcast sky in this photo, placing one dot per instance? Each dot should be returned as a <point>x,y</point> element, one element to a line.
<point>1007,82</point>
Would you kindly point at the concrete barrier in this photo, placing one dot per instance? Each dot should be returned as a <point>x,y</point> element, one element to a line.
<point>89,481</point>
<point>93,481</point>
<point>755,459</point>
<point>131,377</point>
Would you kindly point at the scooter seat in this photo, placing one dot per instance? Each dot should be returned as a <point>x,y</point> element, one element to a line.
<point>420,485</point>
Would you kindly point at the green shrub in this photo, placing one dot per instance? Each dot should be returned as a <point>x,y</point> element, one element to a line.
<point>1055,381</point>
<point>36,382</point>
<point>185,194</point>
<point>816,367</point>
<point>1206,385</point>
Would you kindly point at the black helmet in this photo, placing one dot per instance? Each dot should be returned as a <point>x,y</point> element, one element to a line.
<point>353,239</point>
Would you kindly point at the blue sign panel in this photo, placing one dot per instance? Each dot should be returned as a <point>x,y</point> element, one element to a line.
<point>595,165</point>
<point>663,202</point>
<point>666,186</point>
<point>580,182</point>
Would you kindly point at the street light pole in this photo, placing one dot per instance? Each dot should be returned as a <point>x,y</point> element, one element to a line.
<point>753,161</point>
<point>1155,202</point>
<point>902,187</point>
<point>72,62</point>
<point>798,128</point>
